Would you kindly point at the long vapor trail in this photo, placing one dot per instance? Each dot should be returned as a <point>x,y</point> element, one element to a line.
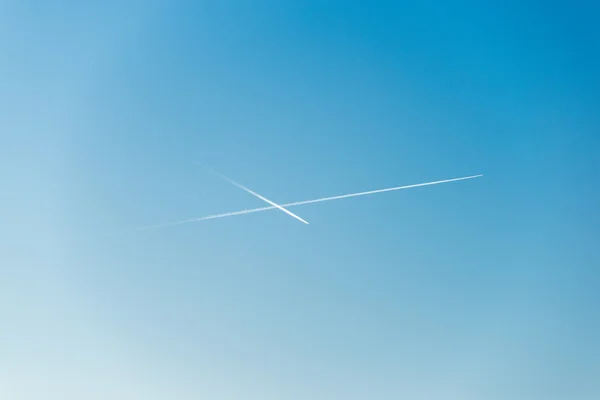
<point>299,203</point>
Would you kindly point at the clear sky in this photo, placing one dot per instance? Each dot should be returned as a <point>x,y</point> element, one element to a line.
<point>482,289</point>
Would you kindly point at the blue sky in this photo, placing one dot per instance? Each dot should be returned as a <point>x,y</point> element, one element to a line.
<point>486,288</point>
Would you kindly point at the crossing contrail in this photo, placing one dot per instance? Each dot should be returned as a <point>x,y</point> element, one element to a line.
<point>299,203</point>
<point>260,197</point>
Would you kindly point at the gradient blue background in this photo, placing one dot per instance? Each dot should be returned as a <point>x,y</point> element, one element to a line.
<point>482,289</point>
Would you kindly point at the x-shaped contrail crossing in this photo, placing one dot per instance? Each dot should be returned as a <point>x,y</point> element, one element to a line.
<point>283,207</point>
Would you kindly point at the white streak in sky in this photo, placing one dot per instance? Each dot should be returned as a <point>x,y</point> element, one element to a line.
<point>299,203</point>
<point>262,198</point>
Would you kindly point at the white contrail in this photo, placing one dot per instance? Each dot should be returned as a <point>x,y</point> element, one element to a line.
<point>261,197</point>
<point>299,203</point>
